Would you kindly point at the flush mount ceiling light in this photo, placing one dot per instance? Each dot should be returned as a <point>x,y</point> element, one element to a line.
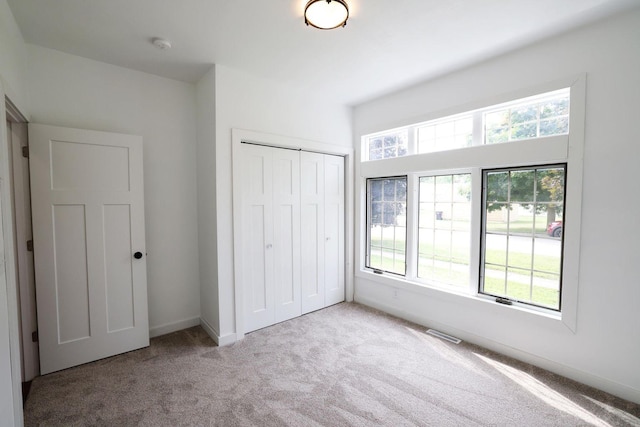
<point>326,14</point>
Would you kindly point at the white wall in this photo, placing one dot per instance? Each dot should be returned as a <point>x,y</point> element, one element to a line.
<point>13,66</point>
<point>67,90</point>
<point>247,102</point>
<point>605,349</point>
<point>13,59</point>
<point>207,230</point>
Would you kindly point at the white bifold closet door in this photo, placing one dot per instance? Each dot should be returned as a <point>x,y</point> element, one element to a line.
<point>322,227</point>
<point>292,234</point>
<point>271,236</point>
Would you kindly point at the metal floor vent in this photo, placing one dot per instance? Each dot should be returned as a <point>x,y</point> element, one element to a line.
<point>444,336</point>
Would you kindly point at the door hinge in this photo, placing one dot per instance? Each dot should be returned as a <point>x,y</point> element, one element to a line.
<point>34,336</point>
<point>30,245</point>
<point>25,152</point>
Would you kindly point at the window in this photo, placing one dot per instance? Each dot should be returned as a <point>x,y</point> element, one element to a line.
<point>537,116</point>
<point>522,257</point>
<point>444,222</point>
<point>541,116</point>
<point>450,208</point>
<point>387,224</point>
<point>445,135</point>
<point>388,145</point>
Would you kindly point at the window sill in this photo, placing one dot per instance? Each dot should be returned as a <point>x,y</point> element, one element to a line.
<point>453,296</point>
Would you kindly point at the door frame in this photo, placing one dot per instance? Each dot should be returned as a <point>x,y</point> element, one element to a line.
<point>25,274</point>
<point>9,112</point>
<point>240,136</point>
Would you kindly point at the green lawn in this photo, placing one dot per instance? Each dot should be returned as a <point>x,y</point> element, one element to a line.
<point>523,225</point>
<point>522,292</point>
<point>456,275</point>
<point>460,278</point>
<point>545,266</point>
<point>451,267</point>
<point>387,263</point>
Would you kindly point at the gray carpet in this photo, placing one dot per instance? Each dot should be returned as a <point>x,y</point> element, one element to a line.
<point>346,365</point>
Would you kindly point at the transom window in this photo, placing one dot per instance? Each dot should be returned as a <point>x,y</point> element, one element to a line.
<point>537,116</point>
<point>388,145</point>
<point>542,116</point>
<point>445,135</point>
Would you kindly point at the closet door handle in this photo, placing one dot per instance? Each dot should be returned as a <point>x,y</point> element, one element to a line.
<point>269,246</point>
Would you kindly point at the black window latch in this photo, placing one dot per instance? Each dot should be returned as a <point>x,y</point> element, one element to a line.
<point>505,301</point>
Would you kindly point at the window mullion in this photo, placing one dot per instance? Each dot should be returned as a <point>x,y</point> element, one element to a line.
<point>476,231</point>
<point>412,144</point>
<point>478,128</point>
<point>367,221</point>
<point>412,226</point>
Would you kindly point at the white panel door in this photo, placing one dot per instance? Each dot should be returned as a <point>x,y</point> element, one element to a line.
<point>89,244</point>
<point>257,237</point>
<point>333,229</point>
<point>322,225</point>
<point>286,233</point>
<point>312,230</point>
<point>270,221</point>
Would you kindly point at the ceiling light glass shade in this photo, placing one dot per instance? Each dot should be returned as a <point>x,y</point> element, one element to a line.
<point>326,14</point>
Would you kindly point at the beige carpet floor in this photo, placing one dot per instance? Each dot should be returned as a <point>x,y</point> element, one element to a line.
<point>346,365</point>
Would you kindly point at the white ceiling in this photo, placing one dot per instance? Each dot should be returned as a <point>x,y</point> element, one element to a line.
<point>386,45</point>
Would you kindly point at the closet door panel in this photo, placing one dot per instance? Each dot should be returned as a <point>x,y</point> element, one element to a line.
<point>286,233</point>
<point>334,229</point>
<point>257,238</point>
<point>312,230</point>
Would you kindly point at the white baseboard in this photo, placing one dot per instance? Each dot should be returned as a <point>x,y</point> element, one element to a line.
<point>615,388</point>
<point>168,328</point>
<point>227,339</point>
<point>215,335</point>
<point>210,330</point>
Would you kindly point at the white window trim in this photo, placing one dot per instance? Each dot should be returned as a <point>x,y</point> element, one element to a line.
<point>538,151</point>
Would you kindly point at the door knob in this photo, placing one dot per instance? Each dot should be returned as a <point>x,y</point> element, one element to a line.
<point>137,255</point>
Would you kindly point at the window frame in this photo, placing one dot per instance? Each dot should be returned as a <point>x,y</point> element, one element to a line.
<point>368,228</point>
<point>416,241</point>
<point>410,141</point>
<point>511,105</point>
<point>547,150</point>
<point>474,116</point>
<point>483,236</point>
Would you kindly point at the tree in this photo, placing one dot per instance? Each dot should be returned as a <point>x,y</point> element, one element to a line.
<point>541,188</point>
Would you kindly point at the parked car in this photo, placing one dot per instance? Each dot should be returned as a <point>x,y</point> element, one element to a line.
<point>555,229</point>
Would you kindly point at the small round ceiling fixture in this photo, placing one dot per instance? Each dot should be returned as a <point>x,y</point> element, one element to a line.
<point>160,43</point>
<point>326,14</point>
